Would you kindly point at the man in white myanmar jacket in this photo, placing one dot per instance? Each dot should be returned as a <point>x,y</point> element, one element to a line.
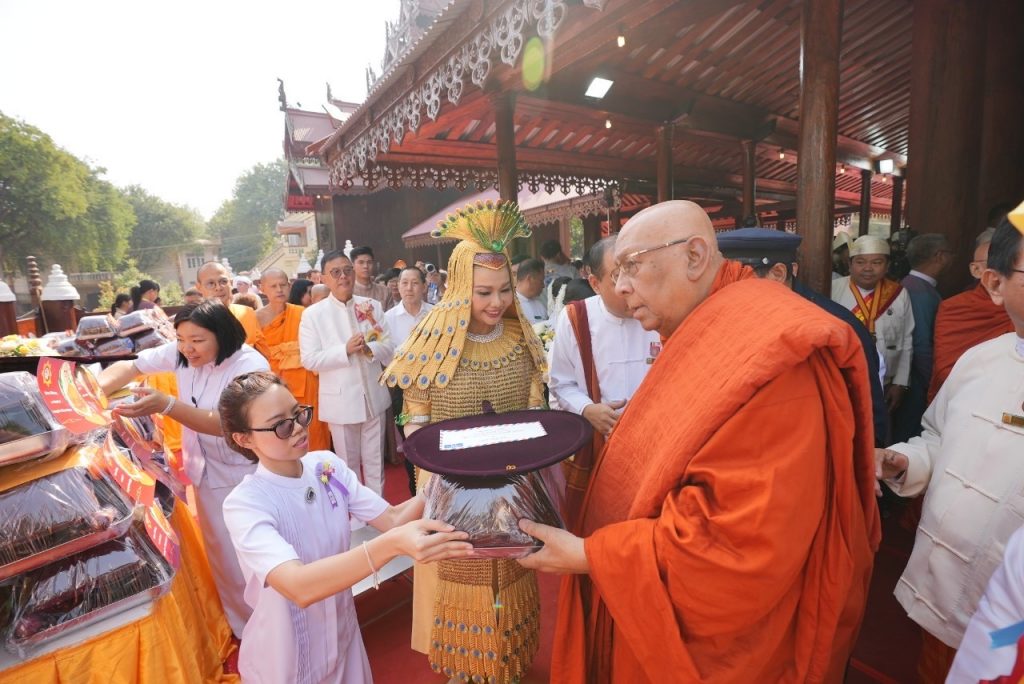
<point>968,462</point>
<point>344,339</point>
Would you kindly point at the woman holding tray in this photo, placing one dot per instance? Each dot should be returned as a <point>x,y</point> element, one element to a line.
<point>473,347</point>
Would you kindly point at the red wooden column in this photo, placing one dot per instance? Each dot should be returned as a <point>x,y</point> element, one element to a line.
<point>505,139</point>
<point>865,201</point>
<point>749,176</point>
<point>820,22</point>
<point>665,171</point>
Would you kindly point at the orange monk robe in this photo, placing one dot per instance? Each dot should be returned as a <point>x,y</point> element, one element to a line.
<point>280,344</point>
<point>731,523</point>
<point>247,317</point>
<point>964,321</point>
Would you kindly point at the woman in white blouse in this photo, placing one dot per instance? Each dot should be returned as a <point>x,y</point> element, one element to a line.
<point>210,353</point>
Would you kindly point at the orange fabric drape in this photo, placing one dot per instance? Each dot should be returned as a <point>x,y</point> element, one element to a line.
<point>732,519</point>
<point>963,321</point>
<point>184,640</point>
<point>247,317</point>
<point>279,342</point>
<point>168,384</point>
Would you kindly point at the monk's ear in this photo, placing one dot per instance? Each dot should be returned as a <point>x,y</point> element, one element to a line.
<point>698,257</point>
<point>994,282</point>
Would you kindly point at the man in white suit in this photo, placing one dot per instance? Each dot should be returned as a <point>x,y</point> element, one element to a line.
<point>345,340</point>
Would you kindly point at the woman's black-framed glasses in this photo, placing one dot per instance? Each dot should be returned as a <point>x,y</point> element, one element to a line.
<point>284,428</point>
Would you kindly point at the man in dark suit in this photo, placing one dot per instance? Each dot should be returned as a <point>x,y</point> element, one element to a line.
<point>773,255</point>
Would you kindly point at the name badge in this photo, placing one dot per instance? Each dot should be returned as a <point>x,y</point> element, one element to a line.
<point>653,352</point>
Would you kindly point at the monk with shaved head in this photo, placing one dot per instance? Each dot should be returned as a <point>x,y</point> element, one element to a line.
<point>279,324</point>
<point>729,527</point>
<point>214,281</point>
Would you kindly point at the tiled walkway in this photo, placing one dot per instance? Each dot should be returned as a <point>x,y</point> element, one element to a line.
<point>886,652</point>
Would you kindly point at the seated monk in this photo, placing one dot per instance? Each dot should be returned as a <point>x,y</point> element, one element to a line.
<point>214,281</point>
<point>279,342</point>
<point>729,529</point>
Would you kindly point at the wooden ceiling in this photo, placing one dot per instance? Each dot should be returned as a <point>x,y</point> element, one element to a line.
<point>717,71</point>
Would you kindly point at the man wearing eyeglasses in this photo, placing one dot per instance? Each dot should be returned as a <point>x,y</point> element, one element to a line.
<point>729,529</point>
<point>966,319</point>
<point>345,339</point>
<point>214,282</point>
<point>968,464</point>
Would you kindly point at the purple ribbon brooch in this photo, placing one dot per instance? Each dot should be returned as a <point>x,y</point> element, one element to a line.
<point>325,473</point>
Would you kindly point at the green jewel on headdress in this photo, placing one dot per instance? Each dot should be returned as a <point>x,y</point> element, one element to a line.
<point>492,225</point>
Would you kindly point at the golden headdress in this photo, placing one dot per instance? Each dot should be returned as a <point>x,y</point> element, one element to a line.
<point>431,353</point>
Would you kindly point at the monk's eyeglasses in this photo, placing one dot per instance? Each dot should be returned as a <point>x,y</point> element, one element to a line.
<point>285,427</point>
<point>629,265</point>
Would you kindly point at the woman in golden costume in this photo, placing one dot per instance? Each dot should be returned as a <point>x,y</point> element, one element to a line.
<point>476,619</point>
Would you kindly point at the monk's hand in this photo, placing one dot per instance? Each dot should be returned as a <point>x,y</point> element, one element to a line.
<point>356,344</point>
<point>889,464</point>
<point>604,416</point>
<point>894,396</point>
<point>562,553</point>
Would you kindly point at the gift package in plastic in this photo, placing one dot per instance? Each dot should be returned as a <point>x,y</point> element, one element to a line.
<point>27,428</point>
<point>84,588</point>
<point>490,508</point>
<point>492,470</point>
<point>62,513</point>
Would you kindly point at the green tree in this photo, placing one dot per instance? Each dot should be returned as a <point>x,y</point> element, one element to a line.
<point>245,223</point>
<point>55,206</point>
<point>160,226</point>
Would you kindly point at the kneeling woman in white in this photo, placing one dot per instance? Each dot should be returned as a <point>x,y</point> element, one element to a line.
<point>289,523</point>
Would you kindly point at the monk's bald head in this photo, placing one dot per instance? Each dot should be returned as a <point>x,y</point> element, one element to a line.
<point>668,258</point>
<point>275,285</point>
<point>273,274</point>
<point>214,282</point>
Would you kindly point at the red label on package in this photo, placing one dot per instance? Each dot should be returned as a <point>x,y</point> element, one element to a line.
<point>137,484</point>
<point>72,394</point>
<point>145,450</point>
<point>162,535</point>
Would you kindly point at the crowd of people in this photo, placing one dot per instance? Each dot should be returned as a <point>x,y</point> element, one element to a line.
<point>720,525</point>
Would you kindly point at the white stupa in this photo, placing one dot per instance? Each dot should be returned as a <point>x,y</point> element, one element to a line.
<point>58,288</point>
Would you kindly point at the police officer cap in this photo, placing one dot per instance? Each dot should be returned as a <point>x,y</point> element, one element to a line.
<point>759,246</point>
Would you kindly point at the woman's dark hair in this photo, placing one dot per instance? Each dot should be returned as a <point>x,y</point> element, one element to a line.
<point>142,288</point>
<point>299,289</point>
<point>576,289</point>
<point>118,301</point>
<point>234,406</point>
<point>1005,248</point>
<point>211,315</point>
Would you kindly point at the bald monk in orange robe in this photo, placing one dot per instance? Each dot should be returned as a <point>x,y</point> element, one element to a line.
<point>279,342</point>
<point>214,282</point>
<point>730,525</point>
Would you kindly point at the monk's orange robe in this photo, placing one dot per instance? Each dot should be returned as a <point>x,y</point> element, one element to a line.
<point>964,321</point>
<point>731,523</point>
<point>247,317</point>
<point>279,342</point>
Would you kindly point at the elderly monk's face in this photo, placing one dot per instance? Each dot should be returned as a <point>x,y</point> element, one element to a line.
<point>213,281</point>
<point>866,270</point>
<point>276,287</point>
<point>977,265</point>
<point>667,259</point>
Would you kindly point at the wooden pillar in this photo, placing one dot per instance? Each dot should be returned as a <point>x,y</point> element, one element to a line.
<point>896,218</point>
<point>865,201</point>
<point>947,97</point>
<point>591,231</point>
<point>665,170</point>
<point>614,222</point>
<point>505,139</point>
<point>749,176</point>
<point>565,234</point>
<point>820,22</point>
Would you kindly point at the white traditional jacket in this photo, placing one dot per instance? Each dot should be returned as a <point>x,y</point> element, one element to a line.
<point>969,462</point>
<point>350,389</point>
<point>894,331</point>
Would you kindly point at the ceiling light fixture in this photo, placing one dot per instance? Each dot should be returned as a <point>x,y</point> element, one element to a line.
<point>886,165</point>
<point>598,87</point>
<point>782,154</point>
<point>607,123</point>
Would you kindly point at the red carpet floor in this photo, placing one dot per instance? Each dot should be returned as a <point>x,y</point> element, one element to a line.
<point>886,651</point>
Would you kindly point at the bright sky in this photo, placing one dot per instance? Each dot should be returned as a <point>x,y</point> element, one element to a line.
<point>181,97</point>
